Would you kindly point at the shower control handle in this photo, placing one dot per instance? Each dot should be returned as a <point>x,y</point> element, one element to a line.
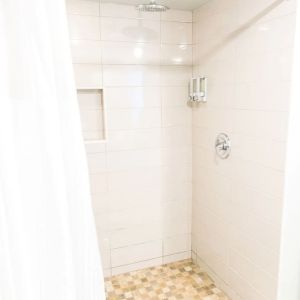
<point>223,146</point>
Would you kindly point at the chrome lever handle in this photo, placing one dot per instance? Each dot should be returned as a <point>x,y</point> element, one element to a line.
<point>223,145</point>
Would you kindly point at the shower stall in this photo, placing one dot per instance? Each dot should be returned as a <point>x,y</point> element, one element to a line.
<point>173,178</point>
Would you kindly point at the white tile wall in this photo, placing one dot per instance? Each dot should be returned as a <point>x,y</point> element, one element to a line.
<point>177,33</point>
<point>133,53</point>
<point>137,266</point>
<point>141,176</point>
<point>83,7</point>
<point>176,54</point>
<point>244,47</point>
<point>86,51</point>
<point>129,75</point>
<point>92,114</point>
<point>130,30</point>
<point>84,27</point>
<point>136,253</point>
<point>134,97</point>
<point>88,76</point>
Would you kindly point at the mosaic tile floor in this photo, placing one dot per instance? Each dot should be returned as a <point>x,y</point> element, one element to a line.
<point>180,280</point>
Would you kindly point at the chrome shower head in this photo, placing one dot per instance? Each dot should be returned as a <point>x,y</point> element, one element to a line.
<point>152,7</point>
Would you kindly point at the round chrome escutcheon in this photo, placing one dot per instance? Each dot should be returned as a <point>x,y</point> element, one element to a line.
<point>223,146</point>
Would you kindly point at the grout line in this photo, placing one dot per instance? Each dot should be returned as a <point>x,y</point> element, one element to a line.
<point>154,258</point>
<point>132,42</point>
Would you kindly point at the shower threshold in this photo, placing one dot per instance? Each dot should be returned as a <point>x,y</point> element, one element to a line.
<point>179,280</point>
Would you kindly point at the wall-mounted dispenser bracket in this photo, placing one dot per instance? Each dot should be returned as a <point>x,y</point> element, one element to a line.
<point>198,89</point>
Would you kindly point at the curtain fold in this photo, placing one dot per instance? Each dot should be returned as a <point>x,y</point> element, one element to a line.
<point>48,245</point>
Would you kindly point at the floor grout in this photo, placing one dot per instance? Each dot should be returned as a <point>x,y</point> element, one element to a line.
<point>179,280</point>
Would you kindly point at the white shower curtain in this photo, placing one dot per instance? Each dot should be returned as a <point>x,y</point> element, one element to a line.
<point>48,246</point>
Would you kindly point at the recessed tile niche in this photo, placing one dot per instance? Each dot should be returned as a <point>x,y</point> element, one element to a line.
<point>92,114</point>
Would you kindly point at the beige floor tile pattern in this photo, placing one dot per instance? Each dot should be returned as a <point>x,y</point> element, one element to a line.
<point>179,280</point>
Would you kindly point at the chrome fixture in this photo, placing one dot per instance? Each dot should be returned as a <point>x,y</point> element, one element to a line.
<point>198,89</point>
<point>223,145</point>
<point>152,7</point>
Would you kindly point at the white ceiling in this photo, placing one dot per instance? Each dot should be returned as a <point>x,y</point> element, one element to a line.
<point>176,4</point>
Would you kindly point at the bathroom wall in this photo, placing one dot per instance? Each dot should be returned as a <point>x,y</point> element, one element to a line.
<point>289,276</point>
<point>141,175</point>
<point>244,47</point>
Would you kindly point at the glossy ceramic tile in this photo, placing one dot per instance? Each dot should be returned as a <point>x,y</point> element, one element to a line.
<point>83,7</point>
<point>137,266</point>
<point>133,97</point>
<point>176,54</point>
<point>134,139</point>
<point>175,75</point>
<point>130,30</point>
<point>88,76</point>
<point>141,179</point>
<point>132,254</point>
<point>237,45</point>
<point>176,116</point>
<point>84,27</point>
<point>247,10</point>
<point>132,174</point>
<point>86,51</point>
<point>135,180</point>
<point>99,183</point>
<point>178,244</point>
<point>97,163</point>
<point>176,32</point>
<point>129,75</point>
<point>95,147</point>
<point>173,96</point>
<point>177,16</point>
<point>132,53</point>
<point>127,160</point>
<point>129,119</point>
<point>180,280</point>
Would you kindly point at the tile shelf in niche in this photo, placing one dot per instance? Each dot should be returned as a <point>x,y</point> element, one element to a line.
<point>92,114</point>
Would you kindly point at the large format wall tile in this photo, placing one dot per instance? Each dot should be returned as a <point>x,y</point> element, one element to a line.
<point>141,174</point>
<point>133,53</point>
<point>244,48</point>
<point>84,27</point>
<point>176,33</point>
<point>86,51</point>
<point>130,30</point>
<point>83,7</point>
